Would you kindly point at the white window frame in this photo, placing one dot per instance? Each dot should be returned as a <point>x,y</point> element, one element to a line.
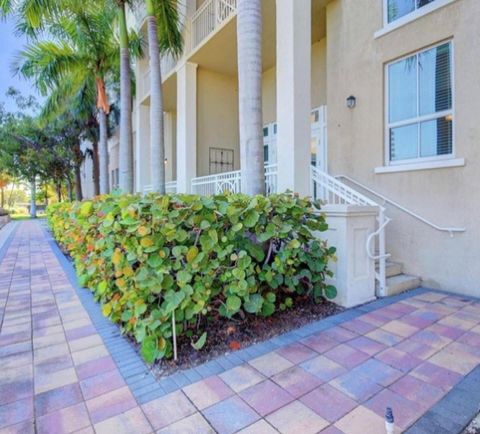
<point>408,18</point>
<point>419,119</point>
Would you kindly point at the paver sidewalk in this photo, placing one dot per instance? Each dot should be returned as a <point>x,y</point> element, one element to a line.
<point>419,355</point>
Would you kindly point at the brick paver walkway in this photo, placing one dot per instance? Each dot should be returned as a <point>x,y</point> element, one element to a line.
<point>419,355</point>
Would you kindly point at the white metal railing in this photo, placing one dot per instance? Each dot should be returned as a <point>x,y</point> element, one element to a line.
<point>171,187</point>
<point>271,176</point>
<point>450,230</point>
<point>218,183</point>
<point>167,65</point>
<point>231,182</point>
<point>331,191</point>
<point>210,15</point>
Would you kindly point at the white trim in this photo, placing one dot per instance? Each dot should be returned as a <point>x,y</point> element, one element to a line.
<point>426,165</point>
<point>418,119</point>
<point>406,19</point>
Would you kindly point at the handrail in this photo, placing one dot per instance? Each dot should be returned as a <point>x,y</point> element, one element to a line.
<point>450,230</point>
<point>373,235</point>
<point>335,191</point>
<point>346,193</point>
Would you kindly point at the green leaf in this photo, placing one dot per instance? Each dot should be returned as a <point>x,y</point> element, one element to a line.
<point>183,277</point>
<point>173,299</point>
<point>251,218</point>
<point>234,303</point>
<point>330,292</point>
<point>192,254</point>
<point>149,349</point>
<point>268,309</point>
<point>201,342</point>
<point>102,287</point>
<point>254,304</point>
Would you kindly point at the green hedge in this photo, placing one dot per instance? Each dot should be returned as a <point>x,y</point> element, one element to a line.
<point>147,258</point>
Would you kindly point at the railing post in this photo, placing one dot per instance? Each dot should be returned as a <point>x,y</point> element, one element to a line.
<point>382,254</point>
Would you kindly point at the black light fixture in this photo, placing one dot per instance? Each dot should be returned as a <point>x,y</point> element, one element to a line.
<point>351,102</point>
<point>165,161</point>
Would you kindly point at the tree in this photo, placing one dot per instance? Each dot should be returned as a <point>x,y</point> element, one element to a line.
<point>164,36</point>
<point>76,64</point>
<point>126,139</point>
<point>22,144</point>
<point>36,153</point>
<point>249,42</point>
<point>5,179</point>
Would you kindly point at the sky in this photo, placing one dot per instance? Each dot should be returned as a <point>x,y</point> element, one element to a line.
<point>10,46</point>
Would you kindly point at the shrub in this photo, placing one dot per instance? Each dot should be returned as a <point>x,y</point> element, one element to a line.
<point>149,258</point>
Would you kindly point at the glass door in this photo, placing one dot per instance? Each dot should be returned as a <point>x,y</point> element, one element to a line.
<point>270,143</point>
<point>318,142</point>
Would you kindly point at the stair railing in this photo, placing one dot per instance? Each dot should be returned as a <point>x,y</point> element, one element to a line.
<point>332,191</point>
<point>450,230</point>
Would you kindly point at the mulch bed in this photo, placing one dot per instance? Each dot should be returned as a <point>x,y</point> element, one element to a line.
<point>228,335</point>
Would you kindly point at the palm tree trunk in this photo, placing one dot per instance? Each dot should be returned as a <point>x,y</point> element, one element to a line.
<point>249,43</point>
<point>78,182</point>
<point>3,197</point>
<point>69,188</point>
<point>157,140</point>
<point>58,187</point>
<point>126,141</point>
<point>103,152</point>
<point>95,169</point>
<point>33,201</point>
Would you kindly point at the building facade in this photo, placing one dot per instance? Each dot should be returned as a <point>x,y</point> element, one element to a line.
<point>381,97</point>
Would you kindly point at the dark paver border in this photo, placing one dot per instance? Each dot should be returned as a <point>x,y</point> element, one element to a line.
<point>4,247</point>
<point>449,416</point>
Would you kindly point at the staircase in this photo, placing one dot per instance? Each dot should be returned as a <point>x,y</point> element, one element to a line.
<point>397,281</point>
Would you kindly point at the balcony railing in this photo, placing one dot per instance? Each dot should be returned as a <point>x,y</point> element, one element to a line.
<point>210,15</point>
<point>167,64</point>
<point>170,187</point>
<point>231,182</point>
<point>217,184</point>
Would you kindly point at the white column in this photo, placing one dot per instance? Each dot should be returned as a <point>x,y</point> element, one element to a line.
<point>169,132</point>
<point>293,94</point>
<point>186,126</point>
<point>142,148</point>
<point>138,128</point>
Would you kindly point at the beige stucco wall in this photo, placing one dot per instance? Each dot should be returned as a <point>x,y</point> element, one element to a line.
<point>355,65</point>
<point>217,117</point>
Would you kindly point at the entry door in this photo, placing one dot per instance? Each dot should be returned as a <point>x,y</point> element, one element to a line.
<point>270,143</point>
<point>318,144</point>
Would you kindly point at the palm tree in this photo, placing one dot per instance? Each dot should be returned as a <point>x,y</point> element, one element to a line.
<point>78,54</point>
<point>164,36</point>
<point>249,42</point>
<point>126,139</point>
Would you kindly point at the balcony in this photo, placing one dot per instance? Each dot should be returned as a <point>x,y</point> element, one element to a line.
<point>211,15</point>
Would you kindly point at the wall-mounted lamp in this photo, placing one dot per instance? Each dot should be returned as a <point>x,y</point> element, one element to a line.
<point>351,102</point>
<point>165,161</point>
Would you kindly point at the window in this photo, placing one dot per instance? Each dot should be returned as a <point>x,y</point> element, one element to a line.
<point>419,105</point>
<point>399,8</point>
<point>221,160</point>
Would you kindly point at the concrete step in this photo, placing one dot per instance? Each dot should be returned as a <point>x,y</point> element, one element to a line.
<point>401,283</point>
<point>393,268</point>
